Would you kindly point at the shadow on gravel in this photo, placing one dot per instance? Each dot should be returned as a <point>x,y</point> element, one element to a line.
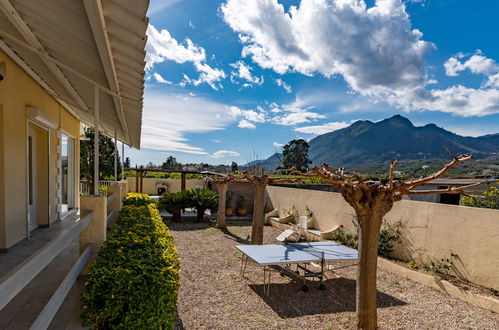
<point>178,323</point>
<point>288,300</point>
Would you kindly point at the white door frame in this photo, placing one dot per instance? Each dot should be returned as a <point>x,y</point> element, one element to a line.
<point>32,181</point>
<point>28,129</point>
<point>65,208</point>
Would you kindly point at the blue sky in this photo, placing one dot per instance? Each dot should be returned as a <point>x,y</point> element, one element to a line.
<point>234,80</point>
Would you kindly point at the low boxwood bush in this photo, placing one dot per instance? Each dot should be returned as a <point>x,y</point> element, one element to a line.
<point>135,279</point>
<point>138,199</point>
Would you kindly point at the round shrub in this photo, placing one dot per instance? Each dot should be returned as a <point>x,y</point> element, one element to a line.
<point>135,280</point>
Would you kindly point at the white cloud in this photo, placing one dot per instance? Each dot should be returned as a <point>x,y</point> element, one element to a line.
<point>295,118</point>
<point>243,71</point>
<point>215,141</point>
<point>477,64</point>
<point>456,99</point>
<point>248,115</point>
<point>224,154</point>
<point>278,145</point>
<point>161,46</point>
<point>374,49</point>
<point>160,79</point>
<point>493,81</point>
<point>297,112</point>
<point>283,84</point>
<point>324,128</point>
<point>246,124</point>
<point>167,117</point>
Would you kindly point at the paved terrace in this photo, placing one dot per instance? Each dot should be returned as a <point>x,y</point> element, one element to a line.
<point>214,296</point>
<point>22,311</point>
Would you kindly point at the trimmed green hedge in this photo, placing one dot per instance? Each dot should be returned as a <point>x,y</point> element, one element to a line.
<point>135,280</point>
<point>138,199</point>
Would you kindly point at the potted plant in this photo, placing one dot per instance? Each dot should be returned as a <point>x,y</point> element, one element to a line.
<point>203,199</point>
<point>228,204</point>
<point>241,206</point>
<point>175,203</point>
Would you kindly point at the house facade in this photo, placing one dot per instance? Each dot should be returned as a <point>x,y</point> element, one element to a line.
<point>39,158</point>
<point>62,64</point>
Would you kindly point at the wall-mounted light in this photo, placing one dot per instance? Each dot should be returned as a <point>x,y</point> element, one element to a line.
<point>3,70</point>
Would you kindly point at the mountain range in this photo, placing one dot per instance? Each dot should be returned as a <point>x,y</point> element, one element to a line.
<point>366,143</point>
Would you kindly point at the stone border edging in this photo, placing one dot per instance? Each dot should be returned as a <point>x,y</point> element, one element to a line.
<point>488,303</point>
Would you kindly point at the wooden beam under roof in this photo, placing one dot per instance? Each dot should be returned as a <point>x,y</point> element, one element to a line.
<point>97,21</point>
<point>13,16</point>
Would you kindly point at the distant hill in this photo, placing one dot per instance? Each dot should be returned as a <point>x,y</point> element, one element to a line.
<point>269,164</point>
<point>365,144</point>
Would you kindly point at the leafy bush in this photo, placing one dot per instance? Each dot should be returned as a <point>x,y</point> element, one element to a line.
<point>489,200</point>
<point>135,280</point>
<point>387,237</point>
<point>138,199</point>
<point>203,199</point>
<point>175,203</point>
<point>163,175</point>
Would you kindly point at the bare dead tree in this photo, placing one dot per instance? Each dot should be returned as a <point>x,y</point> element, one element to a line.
<point>259,182</point>
<point>371,200</point>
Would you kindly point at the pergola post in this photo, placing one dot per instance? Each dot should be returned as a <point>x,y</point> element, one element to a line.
<point>123,160</point>
<point>115,158</point>
<point>96,140</point>
<point>222,188</point>
<point>258,214</point>
<point>182,180</point>
<point>141,182</point>
<point>137,180</point>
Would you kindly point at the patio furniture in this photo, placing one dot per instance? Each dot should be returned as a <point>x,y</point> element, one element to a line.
<point>277,257</point>
<point>299,230</point>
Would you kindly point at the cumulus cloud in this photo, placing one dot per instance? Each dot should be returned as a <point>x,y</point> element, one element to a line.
<point>224,154</point>
<point>160,79</point>
<point>295,113</point>
<point>246,124</point>
<point>477,64</point>
<point>168,117</point>
<point>243,71</point>
<point>278,145</point>
<point>283,84</point>
<point>248,117</point>
<point>456,99</point>
<point>161,46</point>
<point>324,128</point>
<point>374,49</point>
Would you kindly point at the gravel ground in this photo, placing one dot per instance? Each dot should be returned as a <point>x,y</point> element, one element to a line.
<point>214,296</point>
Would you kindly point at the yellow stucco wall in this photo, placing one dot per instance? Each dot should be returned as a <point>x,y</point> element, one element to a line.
<point>18,91</point>
<point>429,231</point>
<point>149,184</point>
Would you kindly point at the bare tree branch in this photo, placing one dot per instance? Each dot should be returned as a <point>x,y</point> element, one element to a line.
<point>416,183</point>
<point>393,164</point>
<point>450,190</point>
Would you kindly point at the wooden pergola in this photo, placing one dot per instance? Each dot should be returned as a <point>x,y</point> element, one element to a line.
<point>139,176</point>
<point>259,182</point>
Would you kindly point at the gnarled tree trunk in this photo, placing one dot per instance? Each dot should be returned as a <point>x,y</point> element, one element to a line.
<point>369,228</point>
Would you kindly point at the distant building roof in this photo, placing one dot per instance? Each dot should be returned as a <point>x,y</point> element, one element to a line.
<point>457,181</point>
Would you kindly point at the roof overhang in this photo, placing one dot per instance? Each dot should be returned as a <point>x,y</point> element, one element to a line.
<point>70,47</point>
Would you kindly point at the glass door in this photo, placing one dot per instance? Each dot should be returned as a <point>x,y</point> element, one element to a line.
<point>32,186</point>
<point>67,173</point>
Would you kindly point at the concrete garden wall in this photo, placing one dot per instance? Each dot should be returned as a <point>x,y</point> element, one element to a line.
<point>429,231</point>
